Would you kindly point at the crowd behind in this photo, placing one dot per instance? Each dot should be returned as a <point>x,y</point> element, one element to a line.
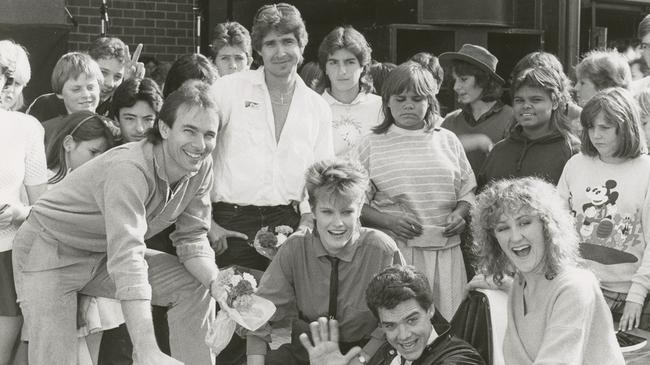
<point>130,184</point>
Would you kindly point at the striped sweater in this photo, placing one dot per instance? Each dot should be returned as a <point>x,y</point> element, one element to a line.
<point>419,174</point>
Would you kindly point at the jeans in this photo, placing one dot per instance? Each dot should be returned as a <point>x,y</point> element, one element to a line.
<point>49,275</point>
<point>247,220</point>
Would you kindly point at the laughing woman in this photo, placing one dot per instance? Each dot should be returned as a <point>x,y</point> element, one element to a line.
<point>556,313</point>
<point>322,273</point>
<point>422,184</point>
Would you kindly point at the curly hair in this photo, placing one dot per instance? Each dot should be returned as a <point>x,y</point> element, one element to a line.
<point>396,284</point>
<point>336,178</point>
<point>605,68</point>
<point>409,76</point>
<point>231,34</point>
<point>349,39</point>
<point>282,18</point>
<point>432,63</point>
<point>541,198</point>
<point>109,47</point>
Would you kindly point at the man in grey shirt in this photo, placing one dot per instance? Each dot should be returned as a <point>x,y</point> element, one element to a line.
<point>87,234</point>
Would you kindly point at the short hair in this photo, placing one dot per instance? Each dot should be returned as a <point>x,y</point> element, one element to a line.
<point>282,18</point>
<point>541,59</point>
<point>193,93</point>
<point>70,66</point>
<point>231,34</point>
<point>338,178</point>
<point>351,40</point>
<point>15,57</point>
<point>189,67</point>
<point>312,74</point>
<point>618,107</point>
<point>109,47</point>
<point>492,87</point>
<point>378,72</point>
<point>509,196</point>
<point>644,27</point>
<point>81,126</point>
<point>133,90</point>
<point>605,68</point>
<point>397,284</point>
<point>432,63</point>
<point>549,80</point>
<point>409,76</point>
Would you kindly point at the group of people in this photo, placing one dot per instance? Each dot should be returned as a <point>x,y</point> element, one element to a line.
<point>118,194</point>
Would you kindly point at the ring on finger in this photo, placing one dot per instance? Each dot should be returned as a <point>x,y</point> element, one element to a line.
<point>412,227</point>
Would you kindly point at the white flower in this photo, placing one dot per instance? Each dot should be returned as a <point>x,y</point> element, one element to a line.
<point>235,279</point>
<point>281,238</point>
<point>248,277</point>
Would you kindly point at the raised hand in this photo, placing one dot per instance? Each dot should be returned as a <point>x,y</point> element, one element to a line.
<point>325,350</point>
<point>135,69</point>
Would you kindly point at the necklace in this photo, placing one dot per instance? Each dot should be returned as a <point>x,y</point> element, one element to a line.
<point>282,98</point>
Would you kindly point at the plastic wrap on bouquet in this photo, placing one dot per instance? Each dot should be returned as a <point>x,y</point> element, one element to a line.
<point>238,306</point>
<point>267,243</point>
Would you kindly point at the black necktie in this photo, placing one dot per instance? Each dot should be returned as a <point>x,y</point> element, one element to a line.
<point>334,285</point>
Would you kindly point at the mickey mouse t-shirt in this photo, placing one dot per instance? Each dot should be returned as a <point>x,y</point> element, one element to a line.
<point>610,203</point>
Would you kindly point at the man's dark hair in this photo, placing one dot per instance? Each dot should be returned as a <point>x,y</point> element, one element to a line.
<point>133,90</point>
<point>193,93</point>
<point>397,284</point>
<point>187,67</point>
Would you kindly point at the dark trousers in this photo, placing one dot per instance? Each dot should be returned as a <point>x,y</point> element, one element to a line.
<point>247,220</point>
<point>116,347</point>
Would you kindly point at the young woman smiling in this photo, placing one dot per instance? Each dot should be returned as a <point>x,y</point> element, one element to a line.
<point>540,142</point>
<point>422,183</point>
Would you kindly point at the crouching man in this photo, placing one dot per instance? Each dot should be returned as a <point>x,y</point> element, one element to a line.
<point>401,299</point>
<point>86,235</point>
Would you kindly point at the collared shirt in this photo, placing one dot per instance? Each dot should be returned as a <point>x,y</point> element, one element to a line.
<point>298,280</point>
<point>352,121</point>
<point>398,359</point>
<point>114,202</point>
<point>251,168</point>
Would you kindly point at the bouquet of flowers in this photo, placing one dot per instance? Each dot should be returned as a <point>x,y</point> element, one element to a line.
<point>268,242</point>
<point>239,305</point>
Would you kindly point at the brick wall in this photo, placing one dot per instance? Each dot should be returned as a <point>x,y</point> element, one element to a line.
<point>164,27</point>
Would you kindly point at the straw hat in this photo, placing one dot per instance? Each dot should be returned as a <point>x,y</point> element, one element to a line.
<point>475,55</point>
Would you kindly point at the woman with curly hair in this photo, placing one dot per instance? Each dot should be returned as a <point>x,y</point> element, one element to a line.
<point>556,312</point>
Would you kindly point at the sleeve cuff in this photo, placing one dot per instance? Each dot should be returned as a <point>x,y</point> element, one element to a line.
<point>191,250</point>
<point>636,294</point>
<point>134,292</point>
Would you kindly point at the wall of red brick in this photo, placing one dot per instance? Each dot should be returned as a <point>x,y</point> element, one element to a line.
<point>164,27</point>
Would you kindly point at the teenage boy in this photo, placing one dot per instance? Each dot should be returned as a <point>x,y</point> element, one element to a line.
<point>401,299</point>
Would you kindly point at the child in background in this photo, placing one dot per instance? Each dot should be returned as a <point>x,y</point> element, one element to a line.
<point>231,48</point>
<point>539,144</point>
<point>599,70</point>
<point>422,183</point>
<point>607,188</point>
<point>135,108</point>
<point>84,136</point>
